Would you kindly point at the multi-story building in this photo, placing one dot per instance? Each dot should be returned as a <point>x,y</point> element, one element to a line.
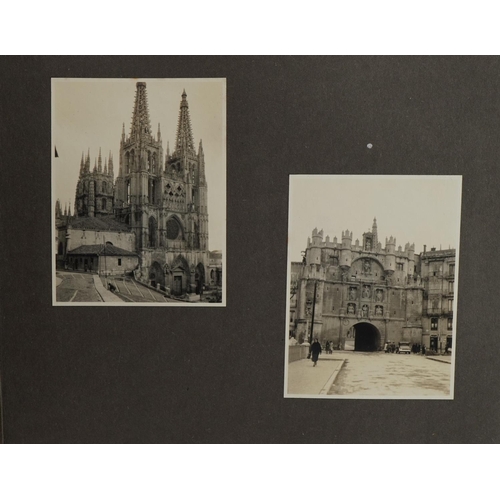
<point>360,295</point>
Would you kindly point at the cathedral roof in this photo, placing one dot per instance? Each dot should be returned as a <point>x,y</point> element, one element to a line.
<point>107,250</point>
<point>98,224</point>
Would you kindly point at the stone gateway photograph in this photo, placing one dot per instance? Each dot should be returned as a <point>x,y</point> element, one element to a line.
<point>372,286</point>
<point>139,191</point>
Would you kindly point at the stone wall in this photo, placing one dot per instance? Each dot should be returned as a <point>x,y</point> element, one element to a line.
<point>115,266</point>
<point>79,237</point>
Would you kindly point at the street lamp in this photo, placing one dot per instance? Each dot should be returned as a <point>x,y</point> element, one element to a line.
<point>313,310</point>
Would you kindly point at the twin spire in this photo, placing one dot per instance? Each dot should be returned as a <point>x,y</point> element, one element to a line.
<point>141,123</point>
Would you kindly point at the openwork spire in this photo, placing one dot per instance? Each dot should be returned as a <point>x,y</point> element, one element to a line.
<point>375,232</point>
<point>141,124</point>
<point>184,143</point>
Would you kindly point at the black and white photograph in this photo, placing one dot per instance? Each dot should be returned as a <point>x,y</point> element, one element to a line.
<point>372,286</point>
<point>139,191</point>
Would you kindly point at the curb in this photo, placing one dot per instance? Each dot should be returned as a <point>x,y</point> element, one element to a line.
<point>332,379</point>
<point>440,360</point>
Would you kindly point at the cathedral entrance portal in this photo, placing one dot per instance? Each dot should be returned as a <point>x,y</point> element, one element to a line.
<point>367,337</point>
<point>156,275</point>
<point>177,289</point>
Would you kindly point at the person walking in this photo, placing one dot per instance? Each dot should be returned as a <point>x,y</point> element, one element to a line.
<point>315,351</point>
<point>327,347</point>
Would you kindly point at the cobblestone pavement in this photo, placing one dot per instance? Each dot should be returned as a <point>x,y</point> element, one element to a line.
<point>369,374</point>
<point>76,287</point>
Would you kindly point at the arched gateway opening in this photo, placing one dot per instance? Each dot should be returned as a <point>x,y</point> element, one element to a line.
<point>366,337</point>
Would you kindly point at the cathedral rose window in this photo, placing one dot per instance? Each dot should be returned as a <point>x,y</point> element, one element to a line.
<point>173,229</point>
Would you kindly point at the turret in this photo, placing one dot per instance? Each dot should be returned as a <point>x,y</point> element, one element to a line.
<point>99,162</point>
<point>58,209</point>
<point>201,163</point>
<point>390,261</point>
<point>345,252</point>
<point>110,166</point>
<point>410,252</point>
<point>375,234</point>
<point>87,162</point>
<point>314,251</point>
<point>159,133</point>
<point>91,206</point>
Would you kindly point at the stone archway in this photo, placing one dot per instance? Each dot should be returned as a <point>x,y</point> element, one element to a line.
<point>199,278</point>
<point>156,275</point>
<point>367,337</point>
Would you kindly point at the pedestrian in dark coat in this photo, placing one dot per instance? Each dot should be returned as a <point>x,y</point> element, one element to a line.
<point>315,351</point>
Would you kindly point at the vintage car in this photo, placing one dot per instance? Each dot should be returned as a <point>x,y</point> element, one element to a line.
<point>404,348</point>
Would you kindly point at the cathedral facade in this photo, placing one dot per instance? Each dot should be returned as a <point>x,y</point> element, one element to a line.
<point>157,204</point>
<point>360,295</point>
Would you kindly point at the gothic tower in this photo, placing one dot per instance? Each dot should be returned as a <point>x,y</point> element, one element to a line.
<point>94,190</point>
<point>186,184</point>
<point>139,183</point>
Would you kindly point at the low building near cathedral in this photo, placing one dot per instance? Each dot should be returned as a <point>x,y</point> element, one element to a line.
<point>359,295</point>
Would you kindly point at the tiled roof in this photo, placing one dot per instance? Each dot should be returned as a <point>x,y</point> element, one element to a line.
<point>107,250</point>
<point>98,224</point>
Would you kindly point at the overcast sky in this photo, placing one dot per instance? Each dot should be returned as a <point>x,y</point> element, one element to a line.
<point>89,113</point>
<point>424,210</point>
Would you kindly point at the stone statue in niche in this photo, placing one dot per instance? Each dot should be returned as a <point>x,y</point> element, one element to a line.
<point>367,267</point>
<point>379,295</point>
<point>352,293</point>
<point>351,309</point>
<point>366,292</point>
<point>364,311</point>
<point>379,311</point>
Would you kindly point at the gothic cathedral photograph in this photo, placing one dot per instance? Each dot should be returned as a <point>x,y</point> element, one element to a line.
<point>372,286</point>
<point>139,191</point>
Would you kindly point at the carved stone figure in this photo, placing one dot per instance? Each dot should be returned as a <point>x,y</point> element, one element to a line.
<point>379,311</point>
<point>351,309</point>
<point>364,311</point>
<point>367,266</point>
<point>366,292</point>
<point>352,293</point>
<point>379,295</point>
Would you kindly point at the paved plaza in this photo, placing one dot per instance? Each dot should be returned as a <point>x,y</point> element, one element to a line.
<point>76,287</point>
<point>371,375</point>
<point>88,287</point>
